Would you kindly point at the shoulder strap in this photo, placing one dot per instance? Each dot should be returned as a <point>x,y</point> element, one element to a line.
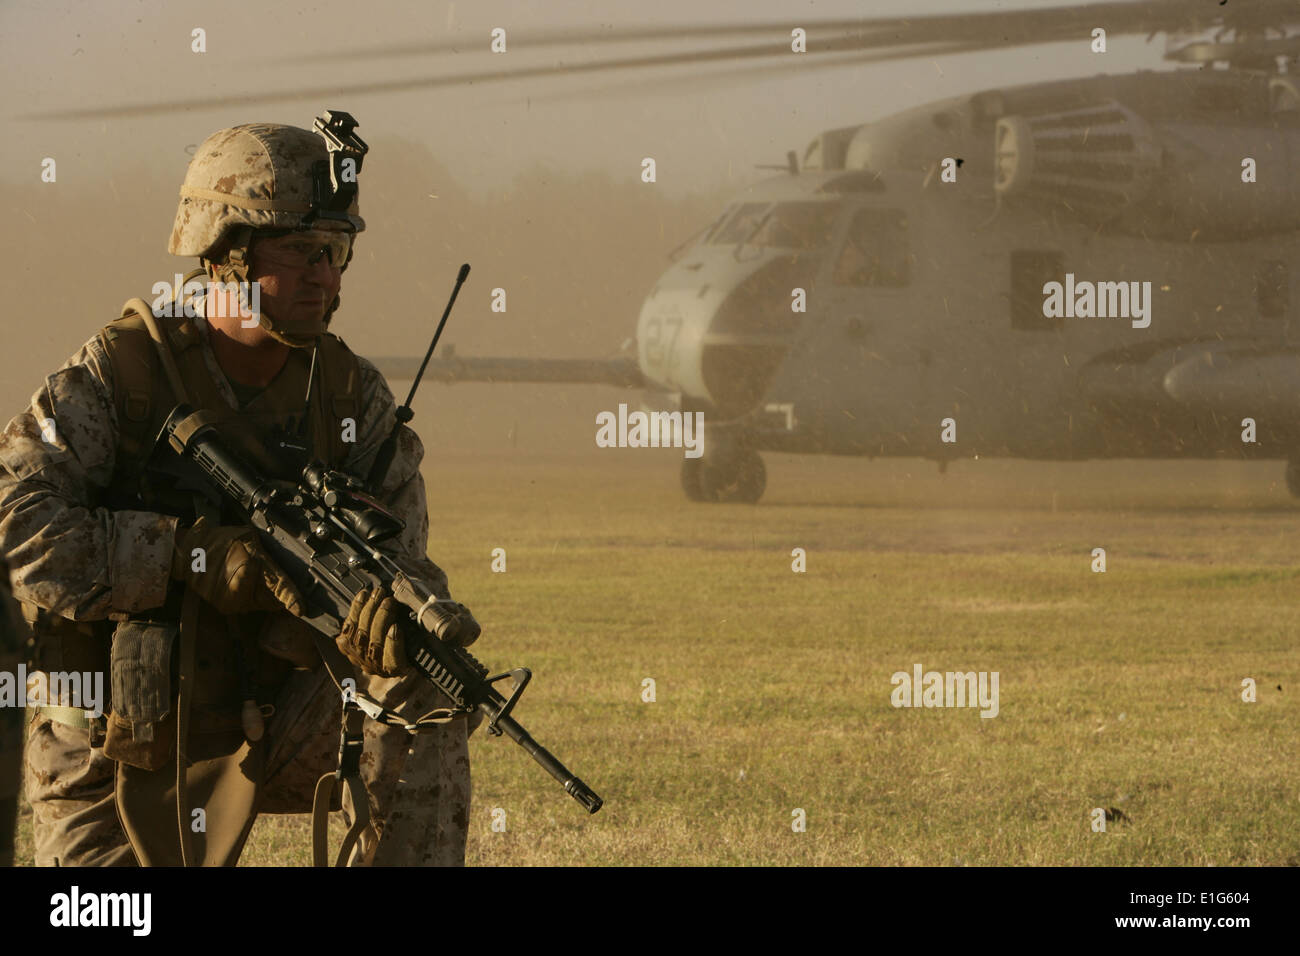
<point>340,397</point>
<point>146,379</point>
<point>145,311</point>
<point>135,378</point>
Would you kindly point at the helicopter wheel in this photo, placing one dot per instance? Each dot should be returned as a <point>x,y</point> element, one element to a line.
<point>737,477</point>
<point>1293,477</point>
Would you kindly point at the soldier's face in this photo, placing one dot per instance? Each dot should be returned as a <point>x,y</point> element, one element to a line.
<point>294,288</point>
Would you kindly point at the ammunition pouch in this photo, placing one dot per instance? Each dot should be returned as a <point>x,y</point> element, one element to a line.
<point>142,726</point>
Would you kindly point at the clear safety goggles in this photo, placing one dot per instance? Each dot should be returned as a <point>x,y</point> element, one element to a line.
<point>303,249</point>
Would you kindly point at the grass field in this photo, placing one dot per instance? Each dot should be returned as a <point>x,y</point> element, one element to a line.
<point>1119,690</point>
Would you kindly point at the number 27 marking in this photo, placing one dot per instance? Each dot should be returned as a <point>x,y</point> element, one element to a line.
<point>657,351</point>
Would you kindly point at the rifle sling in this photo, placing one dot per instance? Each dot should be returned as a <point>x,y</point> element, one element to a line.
<point>356,708</point>
<point>349,770</point>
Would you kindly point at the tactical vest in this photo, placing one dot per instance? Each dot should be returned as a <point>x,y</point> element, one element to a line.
<point>277,432</point>
<point>269,430</point>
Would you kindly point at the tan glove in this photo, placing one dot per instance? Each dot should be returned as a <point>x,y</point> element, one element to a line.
<point>238,577</point>
<point>372,636</point>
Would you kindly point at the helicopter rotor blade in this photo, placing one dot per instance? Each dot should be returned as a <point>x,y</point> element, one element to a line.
<point>1000,27</point>
<point>677,58</point>
<point>746,73</point>
<point>890,38</point>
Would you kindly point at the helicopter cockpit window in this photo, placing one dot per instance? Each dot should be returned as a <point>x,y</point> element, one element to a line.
<point>712,228</point>
<point>797,225</point>
<point>876,252</point>
<point>740,225</point>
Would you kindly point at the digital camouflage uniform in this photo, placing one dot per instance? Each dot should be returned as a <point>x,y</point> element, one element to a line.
<point>82,561</point>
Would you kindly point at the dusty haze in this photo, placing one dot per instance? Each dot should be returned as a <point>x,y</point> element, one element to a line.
<point>536,184</point>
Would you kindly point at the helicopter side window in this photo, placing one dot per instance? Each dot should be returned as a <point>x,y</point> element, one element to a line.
<point>714,226</point>
<point>798,225</point>
<point>876,252</point>
<point>740,225</point>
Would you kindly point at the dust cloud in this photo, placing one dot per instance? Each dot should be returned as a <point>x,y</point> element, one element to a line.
<point>575,253</point>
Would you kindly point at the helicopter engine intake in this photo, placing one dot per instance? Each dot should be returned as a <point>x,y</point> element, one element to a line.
<point>1097,161</point>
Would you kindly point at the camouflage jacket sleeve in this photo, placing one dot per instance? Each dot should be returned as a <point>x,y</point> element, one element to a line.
<point>403,488</point>
<point>66,553</point>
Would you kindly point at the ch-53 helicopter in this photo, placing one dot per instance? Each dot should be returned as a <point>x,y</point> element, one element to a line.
<point>1091,268</point>
<point>1088,268</point>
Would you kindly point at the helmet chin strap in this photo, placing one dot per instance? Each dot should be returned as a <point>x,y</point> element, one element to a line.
<point>303,335</point>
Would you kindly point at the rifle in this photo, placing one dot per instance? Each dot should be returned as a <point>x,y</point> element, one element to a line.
<point>323,533</point>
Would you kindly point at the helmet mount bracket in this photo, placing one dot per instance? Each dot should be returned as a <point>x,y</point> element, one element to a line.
<point>334,181</point>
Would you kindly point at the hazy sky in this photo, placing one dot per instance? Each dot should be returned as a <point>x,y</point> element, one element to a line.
<point>578,259</point>
<point>58,55</point>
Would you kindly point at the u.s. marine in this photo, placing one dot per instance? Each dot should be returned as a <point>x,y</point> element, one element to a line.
<point>122,568</point>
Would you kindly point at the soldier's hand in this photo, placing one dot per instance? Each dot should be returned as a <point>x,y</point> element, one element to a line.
<point>372,634</point>
<point>237,576</point>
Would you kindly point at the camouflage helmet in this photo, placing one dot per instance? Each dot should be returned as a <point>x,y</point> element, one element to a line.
<point>258,175</point>
<point>268,176</point>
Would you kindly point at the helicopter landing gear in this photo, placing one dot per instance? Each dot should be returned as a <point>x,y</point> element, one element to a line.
<point>735,476</point>
<point>1293,476</point>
